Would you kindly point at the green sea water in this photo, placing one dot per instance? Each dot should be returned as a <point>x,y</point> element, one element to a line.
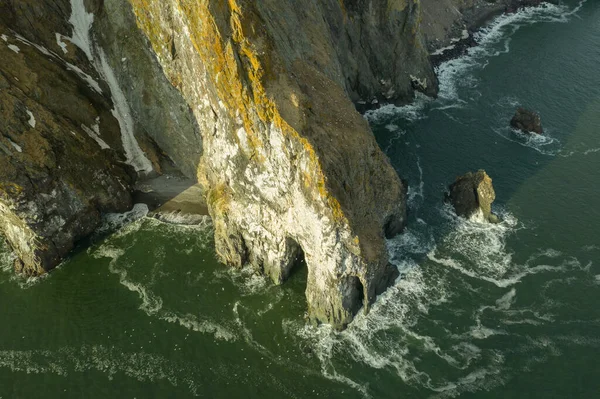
<point>481,311</point>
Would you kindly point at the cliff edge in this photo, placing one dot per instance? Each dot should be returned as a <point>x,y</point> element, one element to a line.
<point>252,99</point>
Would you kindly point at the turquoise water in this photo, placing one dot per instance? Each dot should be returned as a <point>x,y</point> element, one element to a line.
<point>485,311</point>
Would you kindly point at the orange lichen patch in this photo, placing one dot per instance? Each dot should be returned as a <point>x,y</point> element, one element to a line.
<point>218,52</point>
<point>10,189</point>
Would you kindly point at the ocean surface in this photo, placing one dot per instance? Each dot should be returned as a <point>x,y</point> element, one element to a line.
<point>481,311</point>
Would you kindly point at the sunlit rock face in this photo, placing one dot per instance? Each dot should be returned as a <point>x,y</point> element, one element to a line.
<point>254,99</point>
<point>289,165</point>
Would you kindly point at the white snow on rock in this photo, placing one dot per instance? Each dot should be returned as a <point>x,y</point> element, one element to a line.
<point>14,48</point>
<point>95,134</point>
<point>4,37</point>
<point>61,43</point>
<point>16,146</point>
<point>31,120</point>
<point>82,22</point>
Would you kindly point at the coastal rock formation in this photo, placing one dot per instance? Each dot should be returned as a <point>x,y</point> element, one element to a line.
<point>527,121</point>
<point>473,193</point>
<point>60,156</point>
<point>290,167</point>
<point>448,25</point>
<point>251,99</point>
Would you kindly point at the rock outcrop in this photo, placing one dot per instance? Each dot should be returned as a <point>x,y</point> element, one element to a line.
<point>253,100</point>
<point>448,25</point>
<point>289,165</point>
<point>61,160</point>
<point>527,121</point>
<point>473,194</point>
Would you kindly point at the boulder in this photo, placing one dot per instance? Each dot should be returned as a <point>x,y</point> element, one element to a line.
<point>473,193</point>
<point>527,121</point>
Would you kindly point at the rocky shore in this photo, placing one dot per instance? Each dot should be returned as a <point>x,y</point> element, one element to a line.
<point>253,105</point>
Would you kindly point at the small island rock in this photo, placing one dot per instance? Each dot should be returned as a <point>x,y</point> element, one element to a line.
<point>472,193</point>
<point>527,121</point>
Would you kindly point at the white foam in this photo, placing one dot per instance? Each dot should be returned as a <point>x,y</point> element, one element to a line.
<point>416,193</point>
<point>111,361</point>
<point>183,218</point>
<point>115,221</point>
<point>151,303</point>
<point>411,112</point>
<point>542,143</point>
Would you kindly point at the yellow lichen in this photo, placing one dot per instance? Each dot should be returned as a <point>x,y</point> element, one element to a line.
<point>218,53</point>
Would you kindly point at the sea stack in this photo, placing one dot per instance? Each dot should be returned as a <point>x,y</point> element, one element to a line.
<point>527,121</point>
<point>473,193</point>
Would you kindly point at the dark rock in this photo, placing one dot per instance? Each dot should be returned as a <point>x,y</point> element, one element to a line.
<point>473,193</point>
<point>527,121</point>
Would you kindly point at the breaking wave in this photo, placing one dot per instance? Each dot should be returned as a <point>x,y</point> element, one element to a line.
<point>440,325</point>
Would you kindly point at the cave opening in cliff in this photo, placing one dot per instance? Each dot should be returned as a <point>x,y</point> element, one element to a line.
<point>357,294</point>
<point>297,273</point>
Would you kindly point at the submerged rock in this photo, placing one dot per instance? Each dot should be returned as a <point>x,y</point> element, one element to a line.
<point>527,121</point>
<point>473,193</point>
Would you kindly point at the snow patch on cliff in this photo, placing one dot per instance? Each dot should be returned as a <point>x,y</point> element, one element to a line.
<point>82,22</point>
<point>31,120</point>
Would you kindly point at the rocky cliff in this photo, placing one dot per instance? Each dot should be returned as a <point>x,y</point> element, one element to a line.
<point>253,99</point>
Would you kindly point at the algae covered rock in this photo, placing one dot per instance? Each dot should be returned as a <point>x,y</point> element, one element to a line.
<point>473,193</point>
<point>527,121</point>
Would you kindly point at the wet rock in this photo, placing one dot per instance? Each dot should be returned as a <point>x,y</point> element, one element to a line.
<point>471,194</point>
<point>527,121</point>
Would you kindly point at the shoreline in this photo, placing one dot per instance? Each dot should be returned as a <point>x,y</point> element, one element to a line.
<point>475,20</point>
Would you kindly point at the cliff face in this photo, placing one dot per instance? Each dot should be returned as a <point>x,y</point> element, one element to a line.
<point>57,175</point>
<point>251,98</point>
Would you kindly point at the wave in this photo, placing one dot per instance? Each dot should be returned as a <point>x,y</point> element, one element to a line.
<point>438,327</point>
<point>153,304</point>
<point>455,74</point>
<point>142,366</point>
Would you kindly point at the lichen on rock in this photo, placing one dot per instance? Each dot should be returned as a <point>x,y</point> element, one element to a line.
<point>253,99</point>
<point>473,194</point>
<point>289,166</point>
<point>55,178</point>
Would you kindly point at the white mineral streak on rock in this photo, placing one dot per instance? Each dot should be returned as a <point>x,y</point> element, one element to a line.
<point>31,120</point>
<point>15,146</point>
<point>82,22</point>
<point>61,43</point>
<point>96,136</point>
